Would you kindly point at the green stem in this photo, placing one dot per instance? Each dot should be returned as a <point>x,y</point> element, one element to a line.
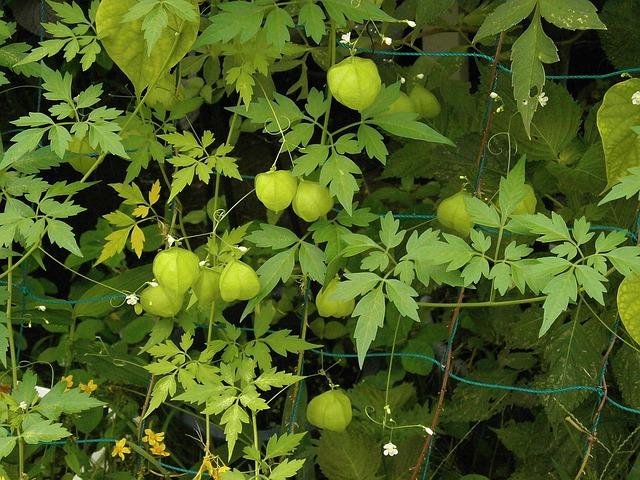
<point>332,55</point>
<point>256,444</point>
<point>14,360</point>
<point>303,335</point>
<point>492,295</point>
<point>386,391</point>
<point>27,254</point>
<point>504,303</point>
<point>216,189</point>
<point>212,312</point>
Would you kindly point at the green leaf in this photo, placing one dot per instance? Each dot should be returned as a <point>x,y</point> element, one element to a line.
<point>341,10</point>
<point>592,281</point>
<point>350,455</point>
<point>58,401</point>
<point>36,430</point>
<point>312,17</point>
<point>481,213</point>
<point>61,234</point>
<point>552,229</point>
<point>277,26</point>
<point>560,290</point>
<point>312,261</point>
<point>530,51</point>
<point>164,388</point>
<point>616,116</point>
<point>403,125</point>
<point>232,419</point>
<point>511,190</point>
<point>626,368</point>
<point>286,469</point>
<point>277,379</point>
<point>358,283</point>
<point>504,17</point>
<point>370,311</point>
<point>401,295</point>
<point>235,19</point>
<point>273,237</point>
<point>125,42</point>
<point>7,444</point>
<point>282,342</point>
<point>571,14</point>
<point>371,140</point>
<point>389,234</point>
<point>279,446</point>
<point>626,187</point>
<point>501,275</point>
<point>337,173</point>
<point>313,156</point>
<point>279,267</point>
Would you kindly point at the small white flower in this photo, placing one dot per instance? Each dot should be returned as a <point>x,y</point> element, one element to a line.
<point>346,38</point>
<point>243,249</point>
<point>403,80</point>
<point>411,23</point>
<point>23,405</point>
<point>493,95</point>
<point>387,409</point>
<point>500,109</point>
<point>389,450</point>
<point>170,240</point>
<point>202,263</point>
<point>132,299</point>
<point>635,98</point>
<point>428,431</point>
<point>420,76</point>
<point>42,308</point>
<point>543,99</point>
<point>387,40</point>
<point>153,284</point>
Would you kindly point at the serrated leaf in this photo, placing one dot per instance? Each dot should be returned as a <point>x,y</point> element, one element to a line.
<point>61,234</point>
<point>402,297</point>
<point>232,419</point>
<point>504,17</point>
<point>312,17</point>
<point>403,125</point>
<point>312,261</point>
<point>560,291</point>
<point>36,430</point>
<point>530,51</point>
<point>370,311</point>
<point>571,14</point>
<point>273,237</point>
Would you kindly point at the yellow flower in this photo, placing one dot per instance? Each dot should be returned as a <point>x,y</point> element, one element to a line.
<point>89,388</point>
<point>218,471</point>
<point>119,450</point>
<point>152,438</point>
<point>160,449</point>
<point>69,381</point>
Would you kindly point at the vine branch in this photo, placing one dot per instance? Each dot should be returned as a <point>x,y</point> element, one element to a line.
<point>454,315</point>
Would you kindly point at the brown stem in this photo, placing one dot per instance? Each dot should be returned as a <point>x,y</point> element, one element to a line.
<point>593,435</point>
<point>454,315</point>
<point>143,412</point>
<point>487,128</point>
<point>303,334</point>
<point>443,390</point>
